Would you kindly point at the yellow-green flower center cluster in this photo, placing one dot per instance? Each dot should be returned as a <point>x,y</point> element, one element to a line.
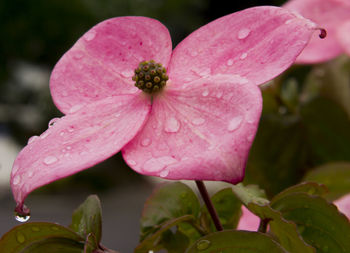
<point>150,76</point>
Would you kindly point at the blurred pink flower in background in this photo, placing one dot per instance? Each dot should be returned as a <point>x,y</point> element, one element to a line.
<point>343,205</point>
<point>250,221</point>
<point>332,15</point>
<point>199,127</point>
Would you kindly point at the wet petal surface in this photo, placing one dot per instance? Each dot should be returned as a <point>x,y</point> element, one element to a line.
<point>78,141</point>
<point>202,132</point>
<point>257,49</point>
<point>102,61</point>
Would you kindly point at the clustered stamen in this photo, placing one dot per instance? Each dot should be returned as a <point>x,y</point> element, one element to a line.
<point>150,76</point>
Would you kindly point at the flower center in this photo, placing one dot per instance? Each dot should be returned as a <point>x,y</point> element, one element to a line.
<point>150,76</point>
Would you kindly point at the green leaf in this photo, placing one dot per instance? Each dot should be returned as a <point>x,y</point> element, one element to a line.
<point>169,201</point>
<point>319,222</point>
<point>228,208</point>
<point>278,152</point>
<point>327,130</point>
<point>229,241</point>
<point>336,176</point>
<point>154,241</point>
<point>250,194</point>
<point>285,231</point>
<point>309,188</point>
<point>90,244</point>
<point>87,218</point>
<point>41,237</point>
<point>174,242</point>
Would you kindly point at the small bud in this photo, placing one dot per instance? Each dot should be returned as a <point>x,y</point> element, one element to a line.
<point>150,76</point>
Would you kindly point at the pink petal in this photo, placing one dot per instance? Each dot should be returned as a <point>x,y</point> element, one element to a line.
<point>248,221</point>
<point>102,61</point>
<point>78,141</point>
<point>343,34</point>
<point>328,14</point>
<point>202,132</point>
<point>343,205</point>
<point>257,43</point>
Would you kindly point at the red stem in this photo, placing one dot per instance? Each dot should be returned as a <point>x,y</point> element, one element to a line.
<point>214,215</point>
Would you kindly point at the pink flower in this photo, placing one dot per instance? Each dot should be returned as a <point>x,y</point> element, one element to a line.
<point>334,16</point>
<point>200,126</point>
<point>248,221</point>
<point>343,205</point>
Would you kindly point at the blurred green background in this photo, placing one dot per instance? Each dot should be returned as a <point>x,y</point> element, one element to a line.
<point>304,130</point>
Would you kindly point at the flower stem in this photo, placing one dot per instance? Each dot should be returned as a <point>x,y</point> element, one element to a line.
<point>263,225</point>
<point>214,215</point>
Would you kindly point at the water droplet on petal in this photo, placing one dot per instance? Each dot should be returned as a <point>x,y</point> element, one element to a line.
<point>16,180</point>
<point>32,139</point>
<point>157,164</point>
<point>164,173</point>
<point>243,56</point>
<point>127,73</point>
<point>61,133</point>
<point>22,213</point>
<point>203,244</point>
<point>250,137</point>
<point>15,168</point>
<point>20,237</point>
<point>288,21</point>
<point>71,129</point>
<point>132,162</point>
<point>69,147</point>
<point>234,123</point>
<point>53,121</point>
<point>172,125</point>
<point>78,55</point>
<point>44,134</point>
<point>75,108</point>
<point>198,121</point>
<point>30,174</point>
<point>219,94</point>
<point>229,62</point>
<point>50,160</point>
<point>205,93</point>
<point>243,33</point>
<point>22,218</point>
<point>146,142</point>
<point>90,35</point>
<point>153,165</point>
<point>194,53</point>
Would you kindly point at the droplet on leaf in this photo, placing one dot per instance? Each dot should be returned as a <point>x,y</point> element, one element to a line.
<point>20,237</point>
<point>203,244</point>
